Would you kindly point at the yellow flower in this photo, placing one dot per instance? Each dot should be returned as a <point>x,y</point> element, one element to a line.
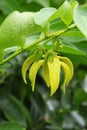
<point>51,70</point>
<point>54,74</point>
<point>68,70</point>
<point>33,71</point>
<point>26,65</point>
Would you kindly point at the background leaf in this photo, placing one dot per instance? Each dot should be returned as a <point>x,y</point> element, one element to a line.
<point>44,3</point>
<point>80,99</point>
<point>14,110</point>
<point>8,6</point>
<point>43,15</point>
<point>11,126</point>
<point>73,36</point>
<point>1,55</point>
<point>80,18</point>
<point>15,29</point>
<point>78,118</point>
<point>64,12</point>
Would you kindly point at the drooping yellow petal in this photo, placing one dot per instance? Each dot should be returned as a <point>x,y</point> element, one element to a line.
<point>33,71</point>
<point>68,62</point>
<point>45,72</point>
<point>54,74</point>
<point>26,65</point>
<point>67,75</point>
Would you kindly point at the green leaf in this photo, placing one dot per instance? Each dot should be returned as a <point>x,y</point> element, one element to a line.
<point>44,3</point>
<point>64,12</point>
<point>73,36</point>
<point>68,122</point>
<point>57,25</point>
<point>72,49</point>
<point>80,18</point>
<point>43,15</point>
<point>74,42</point>
<point>8,6</point>
<point>16,27</point>
<point>78,118</point>
<point>76,62</point>
<point>10,50</point>
<point>80,96</point>
<point>11,126</point>
<point>1,55</point>
<point>56,3</point>
<point>5,66</point>
<point>14,110</point>
<point>31,39</point>
<point>82,46</point>
<point>1,17</point>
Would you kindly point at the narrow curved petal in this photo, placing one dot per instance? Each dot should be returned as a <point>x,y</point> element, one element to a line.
<point>54,74</point>
<point>45,72</point>
<point>26,65</point>
<point>67,75</point>
<point>33,72</point>
<point>68,62</point>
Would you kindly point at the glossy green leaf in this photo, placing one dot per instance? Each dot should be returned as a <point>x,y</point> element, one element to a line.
<point>14,110</point>
<point>43,15</point>
<point>80,18</point>
<point>11,126</point>
<point>16,27</point>
<point>64,12</point>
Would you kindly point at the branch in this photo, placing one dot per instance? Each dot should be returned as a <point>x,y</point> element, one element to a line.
<point>52,35</point>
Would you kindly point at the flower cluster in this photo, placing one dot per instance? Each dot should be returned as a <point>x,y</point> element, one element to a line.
<point>51,70</point>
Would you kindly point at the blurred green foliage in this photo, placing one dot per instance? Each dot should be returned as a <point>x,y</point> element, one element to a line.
<point>20,108</point>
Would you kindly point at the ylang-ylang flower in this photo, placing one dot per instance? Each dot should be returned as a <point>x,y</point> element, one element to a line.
<point>51,70</point>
